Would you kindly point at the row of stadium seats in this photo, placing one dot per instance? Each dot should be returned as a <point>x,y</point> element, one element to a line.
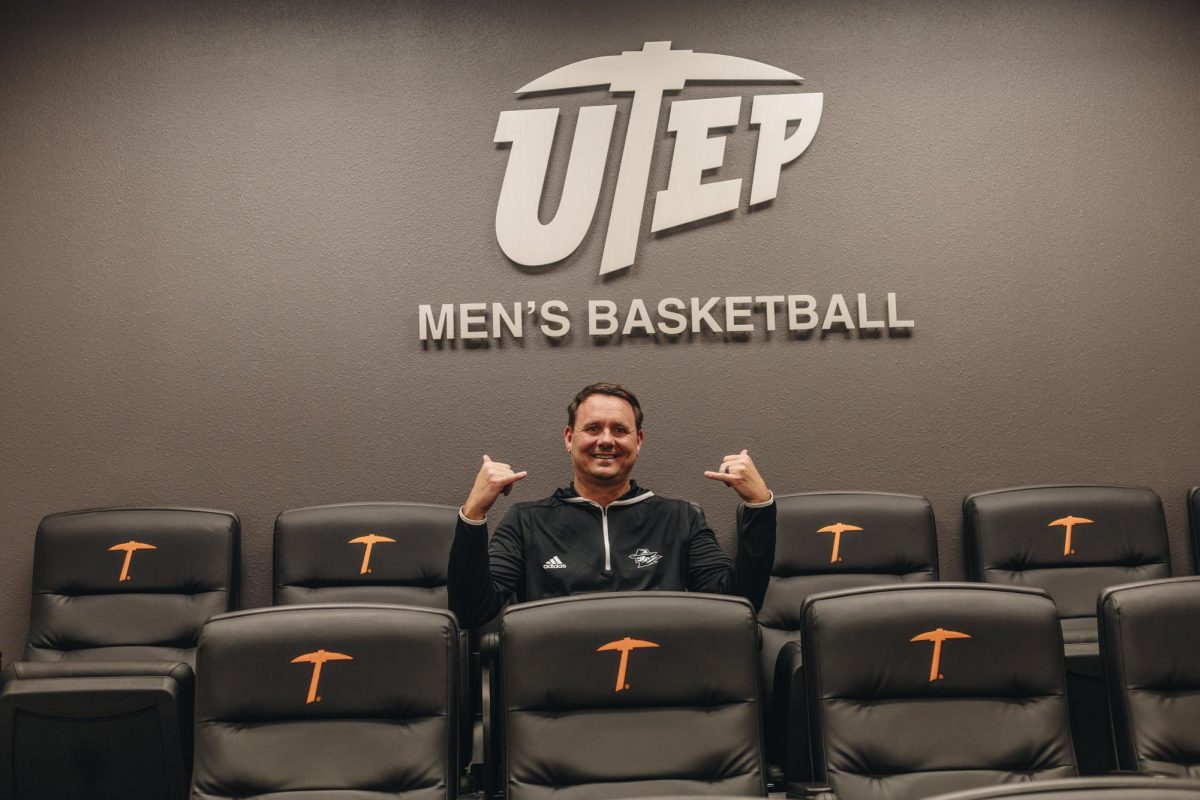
<point>151,608</point>
<point>913,691</point>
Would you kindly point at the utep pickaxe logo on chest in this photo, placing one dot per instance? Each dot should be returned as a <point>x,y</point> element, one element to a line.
<point>645,74</point>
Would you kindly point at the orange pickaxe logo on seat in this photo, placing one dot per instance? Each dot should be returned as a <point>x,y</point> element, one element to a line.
<point>624,646</point>
<point>837,529</point>
<point>317,659</point>
<point>1069,523</point>
<point>370,540</point>
<point>129,547</point>
<point>937,636</point>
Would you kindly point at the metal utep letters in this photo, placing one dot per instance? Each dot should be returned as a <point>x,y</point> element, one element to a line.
<point>647,74</point>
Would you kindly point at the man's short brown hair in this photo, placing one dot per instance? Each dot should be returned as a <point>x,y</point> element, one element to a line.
<point>610,389</point>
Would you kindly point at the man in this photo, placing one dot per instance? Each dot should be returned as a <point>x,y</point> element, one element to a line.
<point>604,532</point>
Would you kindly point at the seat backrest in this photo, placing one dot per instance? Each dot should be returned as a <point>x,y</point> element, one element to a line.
<point>841,540</point>
<point>628,694</point>
<point>1071,541</point>
<point>1125,787</point>
<point>364,553</point>
<point>299,699</point>
<point>130,584</point>
<point>916,690</point>
<point>1150,641</point>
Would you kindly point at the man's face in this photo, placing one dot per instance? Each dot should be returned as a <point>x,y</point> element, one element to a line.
<point>605,441</point>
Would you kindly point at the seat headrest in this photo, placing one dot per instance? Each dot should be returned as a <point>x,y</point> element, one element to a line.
<point>1028,528</point>
<point>874,533</point>
<point>159,550</point>
<point>366,548</point>
<point>934,640</point>
<point>629,649</point>
<point>326,661</point>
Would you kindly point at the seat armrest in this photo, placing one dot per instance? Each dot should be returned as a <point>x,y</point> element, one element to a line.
<point>93,711</point>
<point>489,646</point>
<point>809,791</point>
<point>37,670</point>
<point>791,703</point>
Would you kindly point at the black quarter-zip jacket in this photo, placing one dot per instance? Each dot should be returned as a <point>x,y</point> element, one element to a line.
<point>566,544</point>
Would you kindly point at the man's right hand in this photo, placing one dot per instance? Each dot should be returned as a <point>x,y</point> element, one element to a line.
<point>493,480</point>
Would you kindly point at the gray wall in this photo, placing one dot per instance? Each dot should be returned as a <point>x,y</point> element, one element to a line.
<point>216,224</point>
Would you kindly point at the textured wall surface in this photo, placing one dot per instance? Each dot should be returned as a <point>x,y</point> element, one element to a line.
<point>217,221</point>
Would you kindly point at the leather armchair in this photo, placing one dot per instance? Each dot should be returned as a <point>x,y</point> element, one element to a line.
<point>1150,641</point>
<point>916,690</point>
<point>354,701</point>
<point>1071,541</point>
<point>628,694</point>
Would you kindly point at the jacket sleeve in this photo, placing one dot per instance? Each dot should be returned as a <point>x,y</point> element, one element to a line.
<point>749,573</point>
<point>481,575</point>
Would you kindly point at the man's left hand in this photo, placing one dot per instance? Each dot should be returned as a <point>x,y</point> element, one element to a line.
<point>739,473</point>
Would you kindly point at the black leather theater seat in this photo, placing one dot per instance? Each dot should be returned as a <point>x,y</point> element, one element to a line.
<point>828,541</point>
<point>1114,788</point>
<point>1020,537</point>
<point>328,701</point>
<point>627,694</point>
<point>364,553</point>
<point>1072,541</point>
<point>103,701</point>
<point>916,690</point>
<point>1150,639</point>
<point>96,729</point>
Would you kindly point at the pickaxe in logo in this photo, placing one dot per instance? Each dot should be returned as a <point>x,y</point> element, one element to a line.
<point>1069,522</point>
<point>370,540</point>
<point>624,646</point>
<point>837,529</point>
<point>937,636</point>
<point>129,547</point>
<point>317,659</point>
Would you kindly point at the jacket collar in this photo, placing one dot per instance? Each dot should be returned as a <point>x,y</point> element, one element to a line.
<point>567,494</point>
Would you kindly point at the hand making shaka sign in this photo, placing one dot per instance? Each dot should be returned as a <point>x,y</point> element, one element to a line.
<point>739,473</point>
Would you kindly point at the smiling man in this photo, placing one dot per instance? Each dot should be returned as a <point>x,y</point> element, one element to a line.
<point>604,532</point>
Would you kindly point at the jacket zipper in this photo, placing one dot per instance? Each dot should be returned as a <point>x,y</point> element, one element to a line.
<point>603,529</point>
<point>604,520</point>
<point>607,548</point>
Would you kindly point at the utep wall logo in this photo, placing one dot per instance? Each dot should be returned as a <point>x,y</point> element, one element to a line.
<point>624,646</point>
<point>1069,523</point>
<point>318,659</point>
<point>646,74</point>
<point>937,636</point>
<point>129,547</point>
<point>837,529</point>
<point>370,540</point>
